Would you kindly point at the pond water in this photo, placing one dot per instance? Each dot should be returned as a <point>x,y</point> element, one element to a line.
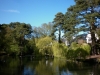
<point>32,66</point>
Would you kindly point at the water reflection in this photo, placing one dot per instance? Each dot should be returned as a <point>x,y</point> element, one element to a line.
<point>30,66</point>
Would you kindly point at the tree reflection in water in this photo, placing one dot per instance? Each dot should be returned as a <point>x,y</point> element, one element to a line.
<point>27,66</point>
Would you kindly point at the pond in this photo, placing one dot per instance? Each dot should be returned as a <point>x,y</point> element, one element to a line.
<point>33,66</point>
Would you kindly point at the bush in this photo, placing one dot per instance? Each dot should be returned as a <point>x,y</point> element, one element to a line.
<point>78,51</point>
<point>86,47</point>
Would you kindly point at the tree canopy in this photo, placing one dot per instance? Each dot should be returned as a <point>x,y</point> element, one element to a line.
<point>84,16</point>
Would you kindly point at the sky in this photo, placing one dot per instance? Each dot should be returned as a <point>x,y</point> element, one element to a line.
<point>33,12</point>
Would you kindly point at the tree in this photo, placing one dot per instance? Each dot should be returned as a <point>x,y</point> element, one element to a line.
<point>43,31</point>
<point>44,45</point>
<point>20,32</point>
<point>87,14</point>
<point>36,32</point>
<point>3,41</point>
<point>14,36</point>
<point>69,25</point>
<point>98,32</point>
<point>58,24</point>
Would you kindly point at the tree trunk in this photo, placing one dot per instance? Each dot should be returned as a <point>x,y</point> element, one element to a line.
<point>93,38</point>
<point>59,38</point>
<point>92,30</point>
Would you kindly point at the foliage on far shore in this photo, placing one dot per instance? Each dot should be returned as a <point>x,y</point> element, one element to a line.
<point>78,51</point>
<point>22,39</point>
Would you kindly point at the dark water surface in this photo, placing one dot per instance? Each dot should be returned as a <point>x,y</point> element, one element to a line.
<point>31,66</point>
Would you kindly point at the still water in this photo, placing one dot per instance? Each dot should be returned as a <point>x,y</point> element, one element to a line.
<point>32,66</point>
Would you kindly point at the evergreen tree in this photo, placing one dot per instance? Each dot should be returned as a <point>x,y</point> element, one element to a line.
<point>58,24</point>
<point>69,26</point>
<point>85,15</point>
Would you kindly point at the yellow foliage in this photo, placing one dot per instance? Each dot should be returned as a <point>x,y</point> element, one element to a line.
<point>59,50</point>
<point>43,44</point>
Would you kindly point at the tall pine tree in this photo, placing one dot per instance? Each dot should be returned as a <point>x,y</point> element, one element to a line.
<point>84,15</point>
<point>58,23</point>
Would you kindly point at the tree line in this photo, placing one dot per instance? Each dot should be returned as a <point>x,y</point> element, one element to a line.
<point>20,38</point>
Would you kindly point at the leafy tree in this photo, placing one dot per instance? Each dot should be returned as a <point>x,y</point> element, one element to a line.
<point>59,49</point>
<point>58,24</point>
<point>3,41</point>
<point>31,47</point>
<point>36,32</point>
<point>44,45</point>
<point>43,31</point>
<point>47,29</point>
<point>14,36</point>
<point>20,31</point>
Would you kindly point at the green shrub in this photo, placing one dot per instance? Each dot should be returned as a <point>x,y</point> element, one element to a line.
<point>70,54</point>
<point>86,47</point>
<point>78,51</point>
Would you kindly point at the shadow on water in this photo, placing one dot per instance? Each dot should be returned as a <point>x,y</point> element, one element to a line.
<point>33,66</point>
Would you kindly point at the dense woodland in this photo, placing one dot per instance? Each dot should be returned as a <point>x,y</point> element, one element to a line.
<point>22,39</point>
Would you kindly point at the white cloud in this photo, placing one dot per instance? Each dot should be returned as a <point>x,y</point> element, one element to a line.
<point>12,11</point>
